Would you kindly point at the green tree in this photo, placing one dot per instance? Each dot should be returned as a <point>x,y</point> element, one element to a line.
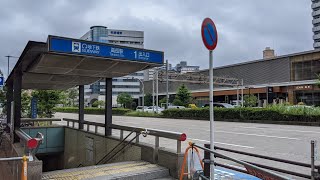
<point>98,104</point>
<point>183,95</point>
<point>47,100</point>
<point>25,104</point>
<point>250,100</point>
<point>177,102</point>
<point>3,100</point>
<point>124,99</point>
<point>148,99</point>
<point>163,100</point>
<point>72,94</point>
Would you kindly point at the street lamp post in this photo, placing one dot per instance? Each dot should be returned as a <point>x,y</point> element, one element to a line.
<point>9,63</point>
<point>157,92</point>
<point>142,88</point>
<point>167,82</point>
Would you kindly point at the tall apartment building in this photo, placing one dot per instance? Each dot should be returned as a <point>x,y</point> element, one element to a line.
<point>148,74</point>
<point>128,84</point>
<point>316,23</point>
<point>183,67</point>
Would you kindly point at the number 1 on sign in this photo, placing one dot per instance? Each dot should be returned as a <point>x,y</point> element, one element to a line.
<point>135,54</point>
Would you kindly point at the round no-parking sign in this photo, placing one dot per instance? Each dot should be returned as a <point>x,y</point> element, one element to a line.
<point>209,34</point>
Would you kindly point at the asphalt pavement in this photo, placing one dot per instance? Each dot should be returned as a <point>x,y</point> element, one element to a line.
<point>281,141</point>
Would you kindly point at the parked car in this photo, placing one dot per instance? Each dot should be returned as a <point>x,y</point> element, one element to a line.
<point>152,109</point>
<point>176,107</point>
<point>220,105</point>
<point>140,108</point>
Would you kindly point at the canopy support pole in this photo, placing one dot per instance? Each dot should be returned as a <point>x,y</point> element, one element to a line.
<point>9,97</point>
<point>81,106</point>
<point>17,85</point>
<point>108,107</point>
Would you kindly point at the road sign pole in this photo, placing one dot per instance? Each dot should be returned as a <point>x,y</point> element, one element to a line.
<point>210,39</point>
<point>211,115</point>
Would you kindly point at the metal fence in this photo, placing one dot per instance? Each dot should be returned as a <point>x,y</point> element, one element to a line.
<point>177,136</point>
<point>313,169</point>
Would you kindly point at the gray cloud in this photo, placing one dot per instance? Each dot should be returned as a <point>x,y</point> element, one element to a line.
<point>245,27</point>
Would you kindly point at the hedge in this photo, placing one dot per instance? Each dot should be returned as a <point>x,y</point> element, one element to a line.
<point>238,114</point>
<point>91,110</point>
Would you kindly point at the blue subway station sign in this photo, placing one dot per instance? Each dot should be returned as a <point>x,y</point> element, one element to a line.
<point>1,80</point>
<point>34,107</point>
<point>76,46</point>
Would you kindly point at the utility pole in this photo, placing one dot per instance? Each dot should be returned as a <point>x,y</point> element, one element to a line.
<point>237,93</point>
<point>8,56</point>
<point>157,93</point>
<point>167,81</point>
<point>241,92</point>
<point>153,93</point>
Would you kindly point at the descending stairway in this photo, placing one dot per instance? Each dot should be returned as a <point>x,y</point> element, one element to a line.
<point>133,170</point>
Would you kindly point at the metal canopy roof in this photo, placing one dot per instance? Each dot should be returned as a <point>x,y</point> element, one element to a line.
<point>57,66</point>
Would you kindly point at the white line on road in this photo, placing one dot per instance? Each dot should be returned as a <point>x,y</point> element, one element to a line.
<point>317,132</point>
<point>260,135</point>
<point>201,140</point>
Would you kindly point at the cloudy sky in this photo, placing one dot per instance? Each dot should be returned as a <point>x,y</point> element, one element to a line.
<point>245,27</point>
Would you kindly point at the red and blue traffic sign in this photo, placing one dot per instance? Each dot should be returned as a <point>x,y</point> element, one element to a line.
<point>209,34</point>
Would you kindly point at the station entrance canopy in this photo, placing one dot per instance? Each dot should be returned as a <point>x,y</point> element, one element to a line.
<point>62,63</point>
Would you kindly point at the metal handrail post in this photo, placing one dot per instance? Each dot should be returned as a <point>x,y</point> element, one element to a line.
<point>137,138</point>
<point>207,161</point>
<point>121,134</point>
<point>178,146</point>
<point>96,129</point>
<point>156,148</point>
<point>312,160</point>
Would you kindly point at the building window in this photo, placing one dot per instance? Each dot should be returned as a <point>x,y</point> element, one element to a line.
<point>306,70</point>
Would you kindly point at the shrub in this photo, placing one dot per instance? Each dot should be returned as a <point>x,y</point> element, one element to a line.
<point>92,110</point>
<point>142,114</point>
<point>242,114</point>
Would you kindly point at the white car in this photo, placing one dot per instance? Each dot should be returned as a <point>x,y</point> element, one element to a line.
<point>151,109</point>
<point>141,108</point>
<point>176,107</point>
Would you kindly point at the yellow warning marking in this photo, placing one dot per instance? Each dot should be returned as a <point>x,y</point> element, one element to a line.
<point>99,171</point>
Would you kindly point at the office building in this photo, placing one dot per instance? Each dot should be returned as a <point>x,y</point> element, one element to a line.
<point>291,78</point>
<point>149,73</point>
<point>127,84</point>
<point>183,67</point>
<point>316,23</point>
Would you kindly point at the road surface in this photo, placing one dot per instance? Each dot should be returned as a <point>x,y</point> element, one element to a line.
<point>281,141</point>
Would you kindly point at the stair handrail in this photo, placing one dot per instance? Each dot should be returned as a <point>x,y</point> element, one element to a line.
<point>121,142</point>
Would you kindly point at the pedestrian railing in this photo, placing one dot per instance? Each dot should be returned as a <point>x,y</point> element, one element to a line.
<point>38,121</point>
<point>179,137</point>
<point>31,146</point>
<point>24,159</point>
<point>313,169</point>
<point>252,169</point>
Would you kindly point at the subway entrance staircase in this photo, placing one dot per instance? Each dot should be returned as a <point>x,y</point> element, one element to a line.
<point>133,170</point>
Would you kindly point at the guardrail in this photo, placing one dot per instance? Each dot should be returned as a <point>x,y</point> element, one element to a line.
<point>153,132</point>
<point>32,121</point>
<point>30,144</point>
<point>300,164</point>
<point>252,169</point>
